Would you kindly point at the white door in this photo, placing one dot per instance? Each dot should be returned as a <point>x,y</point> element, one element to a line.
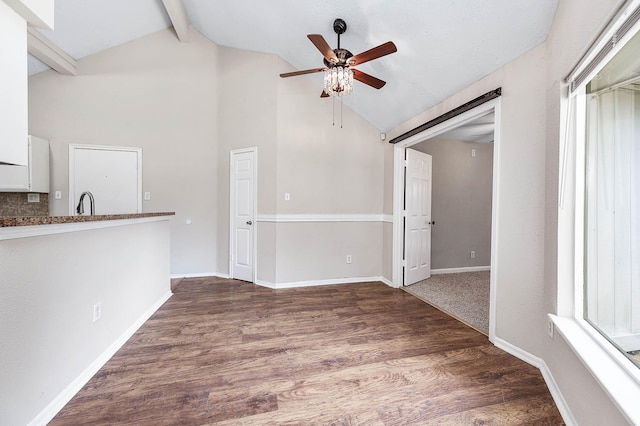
<point>113,175</point>
<point>418,221</point>
<point>242,213</point>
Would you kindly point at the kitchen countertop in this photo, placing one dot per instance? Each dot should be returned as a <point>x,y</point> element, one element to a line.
<point>54,220</point>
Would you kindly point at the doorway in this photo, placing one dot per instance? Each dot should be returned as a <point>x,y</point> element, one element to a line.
<point>242,213</point>
<point>475,114</point>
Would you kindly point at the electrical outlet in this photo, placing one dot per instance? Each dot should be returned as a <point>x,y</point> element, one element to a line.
<point>473,152</point>
<point>473,254</point>
<point>147,196</point>
<point>550,330</point>
<point>97,311</point>
<point>348,258</point>
<point>33,198</point>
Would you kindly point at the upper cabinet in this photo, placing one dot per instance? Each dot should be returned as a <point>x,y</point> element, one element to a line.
<point>13,87</point>
<point>34,177</point>
<point>14,17</point>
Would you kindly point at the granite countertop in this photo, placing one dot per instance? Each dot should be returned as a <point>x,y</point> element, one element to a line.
<point>49,220</point>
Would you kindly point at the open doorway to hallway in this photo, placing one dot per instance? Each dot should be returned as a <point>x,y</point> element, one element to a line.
<point>461,198</point>
<point>464,196</point>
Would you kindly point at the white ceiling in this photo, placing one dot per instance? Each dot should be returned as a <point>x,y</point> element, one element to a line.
<point>478,130</point>
<point>443,46</point>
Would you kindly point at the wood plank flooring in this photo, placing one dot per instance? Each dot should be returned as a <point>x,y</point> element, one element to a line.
<point>229,352</point>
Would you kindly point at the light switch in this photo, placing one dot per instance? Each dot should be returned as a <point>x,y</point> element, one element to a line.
<point>287,196</point>
<point>58,195</point>
<point>147,196</point>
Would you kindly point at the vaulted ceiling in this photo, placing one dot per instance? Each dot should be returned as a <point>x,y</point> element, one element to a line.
<point>443,46</point>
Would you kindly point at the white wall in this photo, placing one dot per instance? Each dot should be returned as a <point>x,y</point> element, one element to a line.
<point>157,94</point>
<point>527,207</point>
<point>461,202</point>
<point>48,286</point>
<point>187,105</point>
<point>329,171</point>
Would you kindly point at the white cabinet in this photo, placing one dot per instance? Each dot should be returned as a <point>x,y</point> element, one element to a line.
<point>13,86</point>
<point>34,177</point>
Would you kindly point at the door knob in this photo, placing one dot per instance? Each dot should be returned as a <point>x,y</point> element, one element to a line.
<point>249,222</point>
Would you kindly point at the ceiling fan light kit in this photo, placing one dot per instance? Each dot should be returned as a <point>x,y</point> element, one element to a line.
<point>338,81</point>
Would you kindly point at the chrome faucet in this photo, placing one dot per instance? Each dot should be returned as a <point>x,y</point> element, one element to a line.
<point>80,208</point>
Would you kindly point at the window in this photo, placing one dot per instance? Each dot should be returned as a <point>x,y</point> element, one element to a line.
<point>599,212</point>
<point>612,201</point>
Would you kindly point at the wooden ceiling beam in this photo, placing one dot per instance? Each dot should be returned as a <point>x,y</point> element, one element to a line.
<point>178,17</point>
<point>45,50</point>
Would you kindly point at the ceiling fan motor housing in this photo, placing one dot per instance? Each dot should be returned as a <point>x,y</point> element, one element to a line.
<point>343,55</point>
<point>339,26</point>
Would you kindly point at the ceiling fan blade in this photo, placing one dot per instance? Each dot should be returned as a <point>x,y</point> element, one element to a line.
<point>373,53</point>
<point>294,73</point>
<point>368,79</point>
<point>321,44</point>
<point>324,94</point>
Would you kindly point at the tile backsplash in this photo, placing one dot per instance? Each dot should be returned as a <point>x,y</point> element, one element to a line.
<point>17,204</point>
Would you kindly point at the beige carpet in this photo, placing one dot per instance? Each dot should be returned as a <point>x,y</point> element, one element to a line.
<point>464,296</point>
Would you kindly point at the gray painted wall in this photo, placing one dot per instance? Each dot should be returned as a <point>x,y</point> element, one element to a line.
<point>187,105</point>
<point>461,202</point>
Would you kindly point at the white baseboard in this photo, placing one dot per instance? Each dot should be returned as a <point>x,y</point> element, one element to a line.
<point>386,281</point>
<point>50,411</point>
<point>458,270</point>
<point>539,363</point>
<point>200,275</point>
<point>312,283</point>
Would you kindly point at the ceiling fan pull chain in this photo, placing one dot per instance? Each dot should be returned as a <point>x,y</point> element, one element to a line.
<point>333,111</point>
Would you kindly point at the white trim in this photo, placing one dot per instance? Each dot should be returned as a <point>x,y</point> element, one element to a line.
<point>386,281</point>
<point>313,283</point>
<point>459,270</point>
<point>604,38</point>
<point>291,218</point>
<point>13,232</point>
<point>398,195</point>
<point>179,19</point>
<point>539,363</point>
<point>50,53</point>
<point>73,147</point>
<point>50,411</point>
<point>495,217</point>
<point>617,376</point>
<point>254,233</point>
<point>200,275</point>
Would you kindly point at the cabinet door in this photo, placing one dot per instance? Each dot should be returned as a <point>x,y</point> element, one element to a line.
<point>38,165</point>
<point>13,87</point>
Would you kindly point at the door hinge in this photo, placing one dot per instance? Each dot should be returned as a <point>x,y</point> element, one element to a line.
<point>404,213</point>
<point>406,163</point>
<point>404,263</point>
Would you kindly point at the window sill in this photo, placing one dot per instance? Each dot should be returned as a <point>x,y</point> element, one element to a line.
<point>614,372</point>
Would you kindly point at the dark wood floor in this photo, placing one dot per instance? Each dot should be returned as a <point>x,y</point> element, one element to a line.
<point>228,352</point>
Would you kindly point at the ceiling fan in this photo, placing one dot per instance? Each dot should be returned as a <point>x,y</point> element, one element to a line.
<point>339,74</point>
